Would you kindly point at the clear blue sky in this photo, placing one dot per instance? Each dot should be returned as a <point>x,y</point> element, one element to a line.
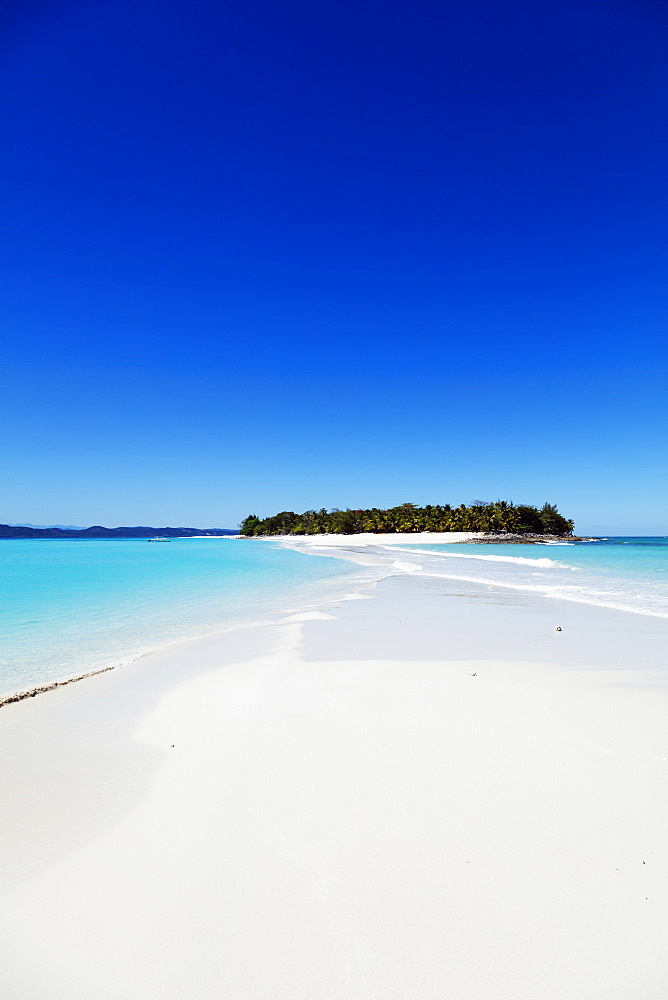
<point>279,255</point>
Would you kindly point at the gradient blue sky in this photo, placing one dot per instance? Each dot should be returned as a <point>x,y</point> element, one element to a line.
<point>263,255</point>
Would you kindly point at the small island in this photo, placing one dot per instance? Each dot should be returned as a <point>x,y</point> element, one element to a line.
<point>501,516</point>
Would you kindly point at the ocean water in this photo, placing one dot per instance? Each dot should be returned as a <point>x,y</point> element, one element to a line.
<point>629,574</point>
<point>68,607</point>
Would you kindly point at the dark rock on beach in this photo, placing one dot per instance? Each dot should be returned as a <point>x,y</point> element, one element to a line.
<point>504,538</point>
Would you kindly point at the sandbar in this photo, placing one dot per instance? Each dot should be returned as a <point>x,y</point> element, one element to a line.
<point>426,792</point>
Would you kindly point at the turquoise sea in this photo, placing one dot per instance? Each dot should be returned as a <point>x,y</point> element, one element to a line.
<point>629,573</point>
<point>71,606</point>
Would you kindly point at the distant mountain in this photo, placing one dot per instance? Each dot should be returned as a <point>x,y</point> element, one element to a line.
<point>97,531</point>
<point>63,527</point>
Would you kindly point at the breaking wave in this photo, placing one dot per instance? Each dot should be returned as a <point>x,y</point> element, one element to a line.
<point>542,561</point>
<point>627,575</point>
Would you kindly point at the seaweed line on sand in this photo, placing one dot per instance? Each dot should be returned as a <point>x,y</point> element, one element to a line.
<point>21,695</point>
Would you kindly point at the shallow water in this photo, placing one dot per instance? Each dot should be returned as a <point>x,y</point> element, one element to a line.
<point>68,607</point>
<point>71,606</point>
<point>629,573</point>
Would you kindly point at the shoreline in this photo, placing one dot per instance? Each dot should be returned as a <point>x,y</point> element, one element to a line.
<point>425,537</point>
<point>426,792</point>
<point>132,652</point>
<point>9,699</point>
<point>352,548</point>
<point>364,554</point>
<point>26,693</point>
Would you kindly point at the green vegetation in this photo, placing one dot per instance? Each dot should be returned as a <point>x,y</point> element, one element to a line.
<point>479,516</point>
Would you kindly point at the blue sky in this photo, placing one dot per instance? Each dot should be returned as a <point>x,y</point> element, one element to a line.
<point>262,256</point>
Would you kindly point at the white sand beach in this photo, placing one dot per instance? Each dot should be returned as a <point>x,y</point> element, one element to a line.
<point>424,793</point>
<point>371,538</point>
<point>362,540</point>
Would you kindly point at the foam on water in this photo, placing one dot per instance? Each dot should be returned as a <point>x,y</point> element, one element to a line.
<point>73,607</point>
<point>406,567</point>
<point>627,574</point>
<point>519,560</point>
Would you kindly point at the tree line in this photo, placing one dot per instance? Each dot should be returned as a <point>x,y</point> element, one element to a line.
<point>478,516</point>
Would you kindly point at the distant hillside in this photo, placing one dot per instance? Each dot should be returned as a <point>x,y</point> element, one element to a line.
<point>65,527</point>
<point>97,531</point>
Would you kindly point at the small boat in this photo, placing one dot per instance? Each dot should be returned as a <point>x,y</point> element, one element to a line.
<point>159,539</point>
